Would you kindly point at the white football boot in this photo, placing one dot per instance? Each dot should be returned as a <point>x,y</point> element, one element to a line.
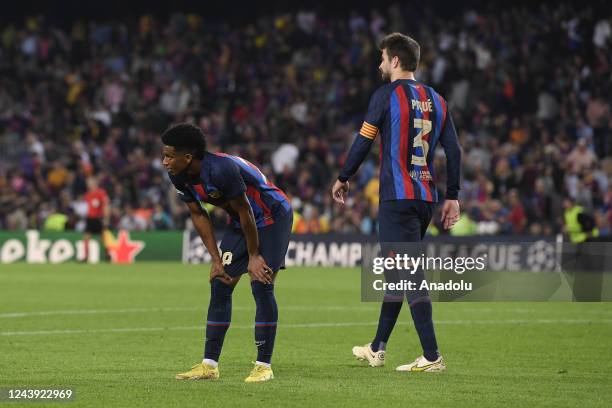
<point>375,359</point>
<point>421,364</point>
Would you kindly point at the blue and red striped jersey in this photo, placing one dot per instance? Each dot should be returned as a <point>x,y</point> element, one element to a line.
<point>224,177</point>
<point>411,118</point>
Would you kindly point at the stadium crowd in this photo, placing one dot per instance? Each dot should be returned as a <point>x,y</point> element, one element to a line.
<point>530,90</point>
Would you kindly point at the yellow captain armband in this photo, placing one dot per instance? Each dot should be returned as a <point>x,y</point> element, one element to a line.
<point>369,131</point>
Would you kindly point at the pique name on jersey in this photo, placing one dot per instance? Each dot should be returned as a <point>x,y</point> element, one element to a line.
<point>423,106</point>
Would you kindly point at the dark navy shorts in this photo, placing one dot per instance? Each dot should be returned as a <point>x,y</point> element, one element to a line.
<point>273,244</point>
<point>403,221</point>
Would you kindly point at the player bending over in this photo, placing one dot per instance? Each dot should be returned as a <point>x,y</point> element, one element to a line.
<point>411,119</point>
<point>256,241</point>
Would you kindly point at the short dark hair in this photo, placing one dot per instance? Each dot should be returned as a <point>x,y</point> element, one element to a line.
<point>185,137</point>
<point>405,48</point>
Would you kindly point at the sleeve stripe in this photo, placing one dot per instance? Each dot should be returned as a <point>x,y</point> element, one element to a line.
<point>369,131</point>
<point>368,126</point>
<point>371,135</point>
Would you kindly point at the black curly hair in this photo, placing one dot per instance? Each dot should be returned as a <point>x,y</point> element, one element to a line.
<point>186,138</point>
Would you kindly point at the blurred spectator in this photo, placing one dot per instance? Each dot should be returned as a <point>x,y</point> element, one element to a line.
<point>581,158</point>
<point>464,227</point>
<point>55,222</point>
<point>517,215</point>
<point>130,221</point>
<point>161,220</point>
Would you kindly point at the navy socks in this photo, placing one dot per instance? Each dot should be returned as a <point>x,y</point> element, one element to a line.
<point>421,311</point>
<point>423,323</point>
<point>219,318</point>
<point>266,316</point>
<point>220,313</point>
<point>389,311</point>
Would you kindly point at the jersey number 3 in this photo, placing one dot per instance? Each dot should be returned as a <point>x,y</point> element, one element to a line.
<point>424,127</point>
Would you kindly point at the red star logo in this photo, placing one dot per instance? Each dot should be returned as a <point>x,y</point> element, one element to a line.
<point>123,251</point>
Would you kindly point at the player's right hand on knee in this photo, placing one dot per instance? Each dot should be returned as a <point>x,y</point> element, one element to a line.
<point>217,271</point>
<point>259,270</point>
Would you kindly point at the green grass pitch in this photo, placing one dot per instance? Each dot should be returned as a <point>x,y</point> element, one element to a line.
<point>118,335</point>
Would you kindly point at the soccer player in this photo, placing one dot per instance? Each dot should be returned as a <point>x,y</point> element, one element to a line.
<point>98,213</point>
<point>411,118</point>
<point>256,240</point>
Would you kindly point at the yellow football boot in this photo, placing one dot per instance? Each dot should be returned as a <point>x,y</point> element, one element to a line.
<point>260,373</point>
<point>200,371</point>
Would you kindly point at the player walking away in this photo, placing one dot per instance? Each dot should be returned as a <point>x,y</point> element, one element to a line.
<point>256,241</point>
<point>411,119</point>
<point>98,213</point>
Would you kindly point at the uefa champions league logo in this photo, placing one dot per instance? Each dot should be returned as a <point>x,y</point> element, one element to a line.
<point>542,257</point>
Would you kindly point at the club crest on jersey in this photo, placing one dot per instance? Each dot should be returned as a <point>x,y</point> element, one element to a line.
<point>424,175</point>
<point>214,194</point>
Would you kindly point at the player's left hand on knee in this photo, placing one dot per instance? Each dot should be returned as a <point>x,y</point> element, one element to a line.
<point>259,270</point>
